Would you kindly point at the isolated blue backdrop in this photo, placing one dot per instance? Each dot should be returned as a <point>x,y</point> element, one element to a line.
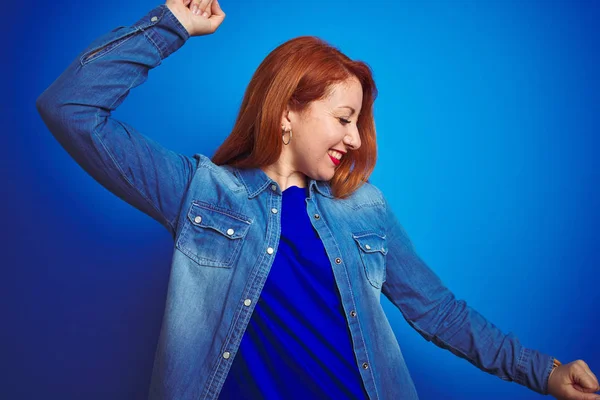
<point>488,121</point>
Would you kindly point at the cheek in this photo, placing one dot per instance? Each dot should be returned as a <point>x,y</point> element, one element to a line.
<point>316,138</point>
<point>313,145</point>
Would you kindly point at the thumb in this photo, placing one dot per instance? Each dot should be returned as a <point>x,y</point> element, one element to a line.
<point>577,392</point>
<point>590,396</point>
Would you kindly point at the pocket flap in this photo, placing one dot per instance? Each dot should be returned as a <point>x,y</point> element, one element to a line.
<point>231,226</point>
<point>371,242</point>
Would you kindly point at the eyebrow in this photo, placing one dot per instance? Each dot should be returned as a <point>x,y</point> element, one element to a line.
<point>351,109</point>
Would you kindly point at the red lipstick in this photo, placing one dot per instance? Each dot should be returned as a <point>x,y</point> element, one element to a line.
<point>334,160</point>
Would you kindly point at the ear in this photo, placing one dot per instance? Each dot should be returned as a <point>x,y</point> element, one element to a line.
<point>286,121</point>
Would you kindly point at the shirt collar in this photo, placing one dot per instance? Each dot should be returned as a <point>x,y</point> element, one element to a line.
<point>255,180</point>
<point>321,186</point>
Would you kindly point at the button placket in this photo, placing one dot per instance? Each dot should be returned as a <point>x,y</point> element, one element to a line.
<point>352,314</point>
<point>270,250</point>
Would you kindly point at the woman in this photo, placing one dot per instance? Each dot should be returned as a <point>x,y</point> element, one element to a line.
<point>286,197</point>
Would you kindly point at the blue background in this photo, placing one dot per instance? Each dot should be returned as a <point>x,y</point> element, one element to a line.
<point>488,121</point>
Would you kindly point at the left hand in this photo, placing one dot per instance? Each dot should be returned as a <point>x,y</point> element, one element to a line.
<point>573,381</point>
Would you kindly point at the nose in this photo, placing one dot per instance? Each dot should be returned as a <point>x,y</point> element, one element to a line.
<point>352,139</point>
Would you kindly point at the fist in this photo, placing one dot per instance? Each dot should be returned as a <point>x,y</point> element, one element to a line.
<point>573,381</point>
<point>198,17</point>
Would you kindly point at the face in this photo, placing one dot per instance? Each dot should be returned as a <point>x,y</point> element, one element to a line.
<point>324,132</point>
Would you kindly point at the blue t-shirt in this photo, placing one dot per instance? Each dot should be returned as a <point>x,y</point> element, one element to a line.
<point>297,344</point>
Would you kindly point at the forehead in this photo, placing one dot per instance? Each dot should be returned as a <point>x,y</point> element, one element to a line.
<point>348,93</point>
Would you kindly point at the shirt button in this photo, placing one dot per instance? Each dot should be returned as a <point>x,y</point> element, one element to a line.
<point>365,365</point>
<point>198,219</point>
<point>273,187</point>
<point>353,313</point>
<point>230,231</point>
<point>247,302</point>
<point>154,19</point>
<point>274,210</point>
<point>226,355</point>
<point>368,247</point>
<point>338,260</point>
<point>317,216</point>
<point>270,250</point>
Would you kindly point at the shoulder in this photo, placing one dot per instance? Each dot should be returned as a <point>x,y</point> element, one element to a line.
<point>367,195</point>
<point>205,162</point>
<point>223,174</point>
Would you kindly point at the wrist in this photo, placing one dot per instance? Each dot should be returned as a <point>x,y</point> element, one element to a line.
<point>180,15</point>
<point>555,364</point>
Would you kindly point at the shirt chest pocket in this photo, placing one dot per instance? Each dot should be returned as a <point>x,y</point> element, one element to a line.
<point>213,237</point>
<point>372,248</point>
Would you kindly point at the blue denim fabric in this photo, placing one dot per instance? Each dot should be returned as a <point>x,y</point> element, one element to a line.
<point>226,237</point>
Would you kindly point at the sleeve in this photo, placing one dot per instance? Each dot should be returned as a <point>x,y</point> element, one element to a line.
<point>433,311</point>
<point>77,109</point>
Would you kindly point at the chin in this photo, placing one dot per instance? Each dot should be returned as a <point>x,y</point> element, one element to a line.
<point>321,174</point>
<point>326,177</point>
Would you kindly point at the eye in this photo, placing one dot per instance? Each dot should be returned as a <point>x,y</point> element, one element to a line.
<point>344,121</point>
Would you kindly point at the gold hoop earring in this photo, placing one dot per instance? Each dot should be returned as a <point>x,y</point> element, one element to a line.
<point>283,140</point>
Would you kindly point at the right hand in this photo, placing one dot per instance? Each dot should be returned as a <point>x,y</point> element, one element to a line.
<point>208,18</point>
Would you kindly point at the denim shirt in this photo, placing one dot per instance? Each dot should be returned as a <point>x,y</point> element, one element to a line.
<point>226,226</point>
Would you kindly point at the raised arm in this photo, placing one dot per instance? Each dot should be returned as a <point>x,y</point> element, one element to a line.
<point>77,110</point>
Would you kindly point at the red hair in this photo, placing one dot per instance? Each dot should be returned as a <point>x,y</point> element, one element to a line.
<point>293,75</point>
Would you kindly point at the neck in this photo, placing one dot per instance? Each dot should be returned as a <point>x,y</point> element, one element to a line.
<point>285,176</point>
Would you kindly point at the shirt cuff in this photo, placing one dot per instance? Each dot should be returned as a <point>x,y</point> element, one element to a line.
<point>163,29</point>
<point>533,370</point>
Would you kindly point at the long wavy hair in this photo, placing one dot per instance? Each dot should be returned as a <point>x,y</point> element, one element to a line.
<point>296,73</point>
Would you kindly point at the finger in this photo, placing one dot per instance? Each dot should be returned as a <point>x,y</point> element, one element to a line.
<point>208,11</point>
<point>591,383</point>
<point>216,9</point>
<point>217,15</point>
<point>204,4</point>
<point>197,7</point>
<point>587,382</point>
<point>594,378</point>
<point>186,2</point>
<point>576,392</point>
<point>587,396</point>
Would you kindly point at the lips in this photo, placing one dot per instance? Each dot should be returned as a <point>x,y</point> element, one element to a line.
<point>334,160</point>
